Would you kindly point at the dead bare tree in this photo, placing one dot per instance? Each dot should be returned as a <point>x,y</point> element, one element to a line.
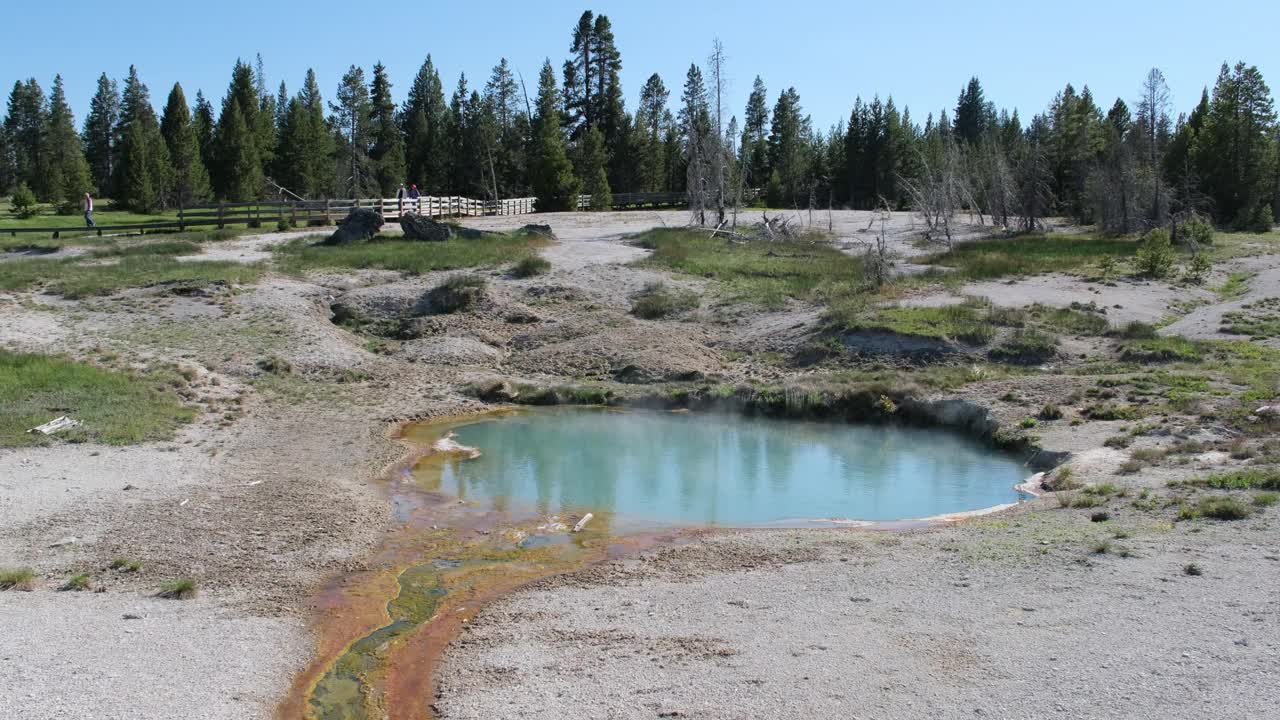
<point>941,189</point>
<point>716,64</point>
<point>876,259</point>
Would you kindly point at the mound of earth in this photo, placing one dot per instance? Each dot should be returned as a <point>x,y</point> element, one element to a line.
<point>624,351</point>
<point>448,350</point>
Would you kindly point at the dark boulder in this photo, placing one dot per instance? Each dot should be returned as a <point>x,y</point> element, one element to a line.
<point>543,230</point>
<point>360,224</point>
<point>417,227</point>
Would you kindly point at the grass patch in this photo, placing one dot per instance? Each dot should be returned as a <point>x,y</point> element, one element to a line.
<point>1025,347</point>
<point>656,301</point>
<point>178,589</point>
<point>408,256</point>
<point>531,266</point>
<point>1028,254</point>
<point>1192,570</point>
<point>115,407</point>
<point>74,278</point>
<point>124,564</point>
<point>157,249</point>
<point>1237,284</point>
<point>76,583</point>
<point>1138,330</point>
<point>1266,499</point>
<point>1050,412</point>
<point>458,293</point>
<point>1163,349</point>
<point>17,579</point>
<point>1246,479</point>
<point>763,273</point>
<point>1259,320</point>
<point>1216,508</point>
<point>965,323</point>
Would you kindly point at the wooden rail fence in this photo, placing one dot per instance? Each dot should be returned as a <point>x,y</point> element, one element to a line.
<point>302,213</point>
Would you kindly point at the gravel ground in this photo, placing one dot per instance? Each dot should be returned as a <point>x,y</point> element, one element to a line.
<point>114,656</point>
<point>963,622</point>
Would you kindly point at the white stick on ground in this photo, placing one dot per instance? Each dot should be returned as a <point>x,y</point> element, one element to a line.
<point>583,522</point>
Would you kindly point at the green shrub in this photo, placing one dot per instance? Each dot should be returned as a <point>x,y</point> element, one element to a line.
<point>459,292</point>
<point>1138,330</point>
<point>76,583</point>
<point>17,579</point>
<point>1027,423</point>
<point>531,266</point>
<point>1164,349</point>
<point>123,564</point>
<point>658,301</point>
<point>178,589</point>
<point>23,202</point>
<point>1221,508</point>
<point>1246,479</point>
<point>1266,499</point>
<point>1025,347</point>
<point>1155,256</point>
<point>275,365</point>
<point>1198,268</point>
<point>1062,480</point>
<point>284,224</point>
<point>1192,569</point>
<point>1197,230</point>
<point>1257,219</point>
<point>1050,412</point>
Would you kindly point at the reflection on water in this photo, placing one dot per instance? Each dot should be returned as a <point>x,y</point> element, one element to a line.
<point>720,469</point>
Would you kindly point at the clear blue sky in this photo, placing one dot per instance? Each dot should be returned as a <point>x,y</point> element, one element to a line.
<point>830,50</point>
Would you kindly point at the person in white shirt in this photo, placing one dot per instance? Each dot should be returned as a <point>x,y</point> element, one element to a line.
<point>87,205</point>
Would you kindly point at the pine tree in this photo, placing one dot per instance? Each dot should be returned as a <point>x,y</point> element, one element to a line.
<point>65,169</point>
<point>579,77</point>
<point>99,133</point>
<point>351,118</point>
<point>1234,148</point>
<point>695,130</point>
<point>133,180</point>
<point>551,173</point>
<point>502,95</point>
<point>424,119</point>
<point>142,169</point>
<point>237,171</point>
<point>203,128</point>
<point>8,176</point>
<point>317,147</point>
<point>265,124</point>
<point>974,115</point>
<point>387,151</point>
<point>1180,160</point>
<point>190,178</point>
<point>755,135</point>
<point>304,154</point>
<point>591,170</point>
<point>651,121</point>
<point>788,155</point>
<point>24,125</point>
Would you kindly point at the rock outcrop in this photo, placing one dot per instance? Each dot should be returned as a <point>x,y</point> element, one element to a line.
<point>417,227</point>
<point>360,224</point>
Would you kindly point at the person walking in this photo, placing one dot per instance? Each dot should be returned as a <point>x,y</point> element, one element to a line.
<point>400,200</point>
<point>87,205</point>
<point>415,196</point>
